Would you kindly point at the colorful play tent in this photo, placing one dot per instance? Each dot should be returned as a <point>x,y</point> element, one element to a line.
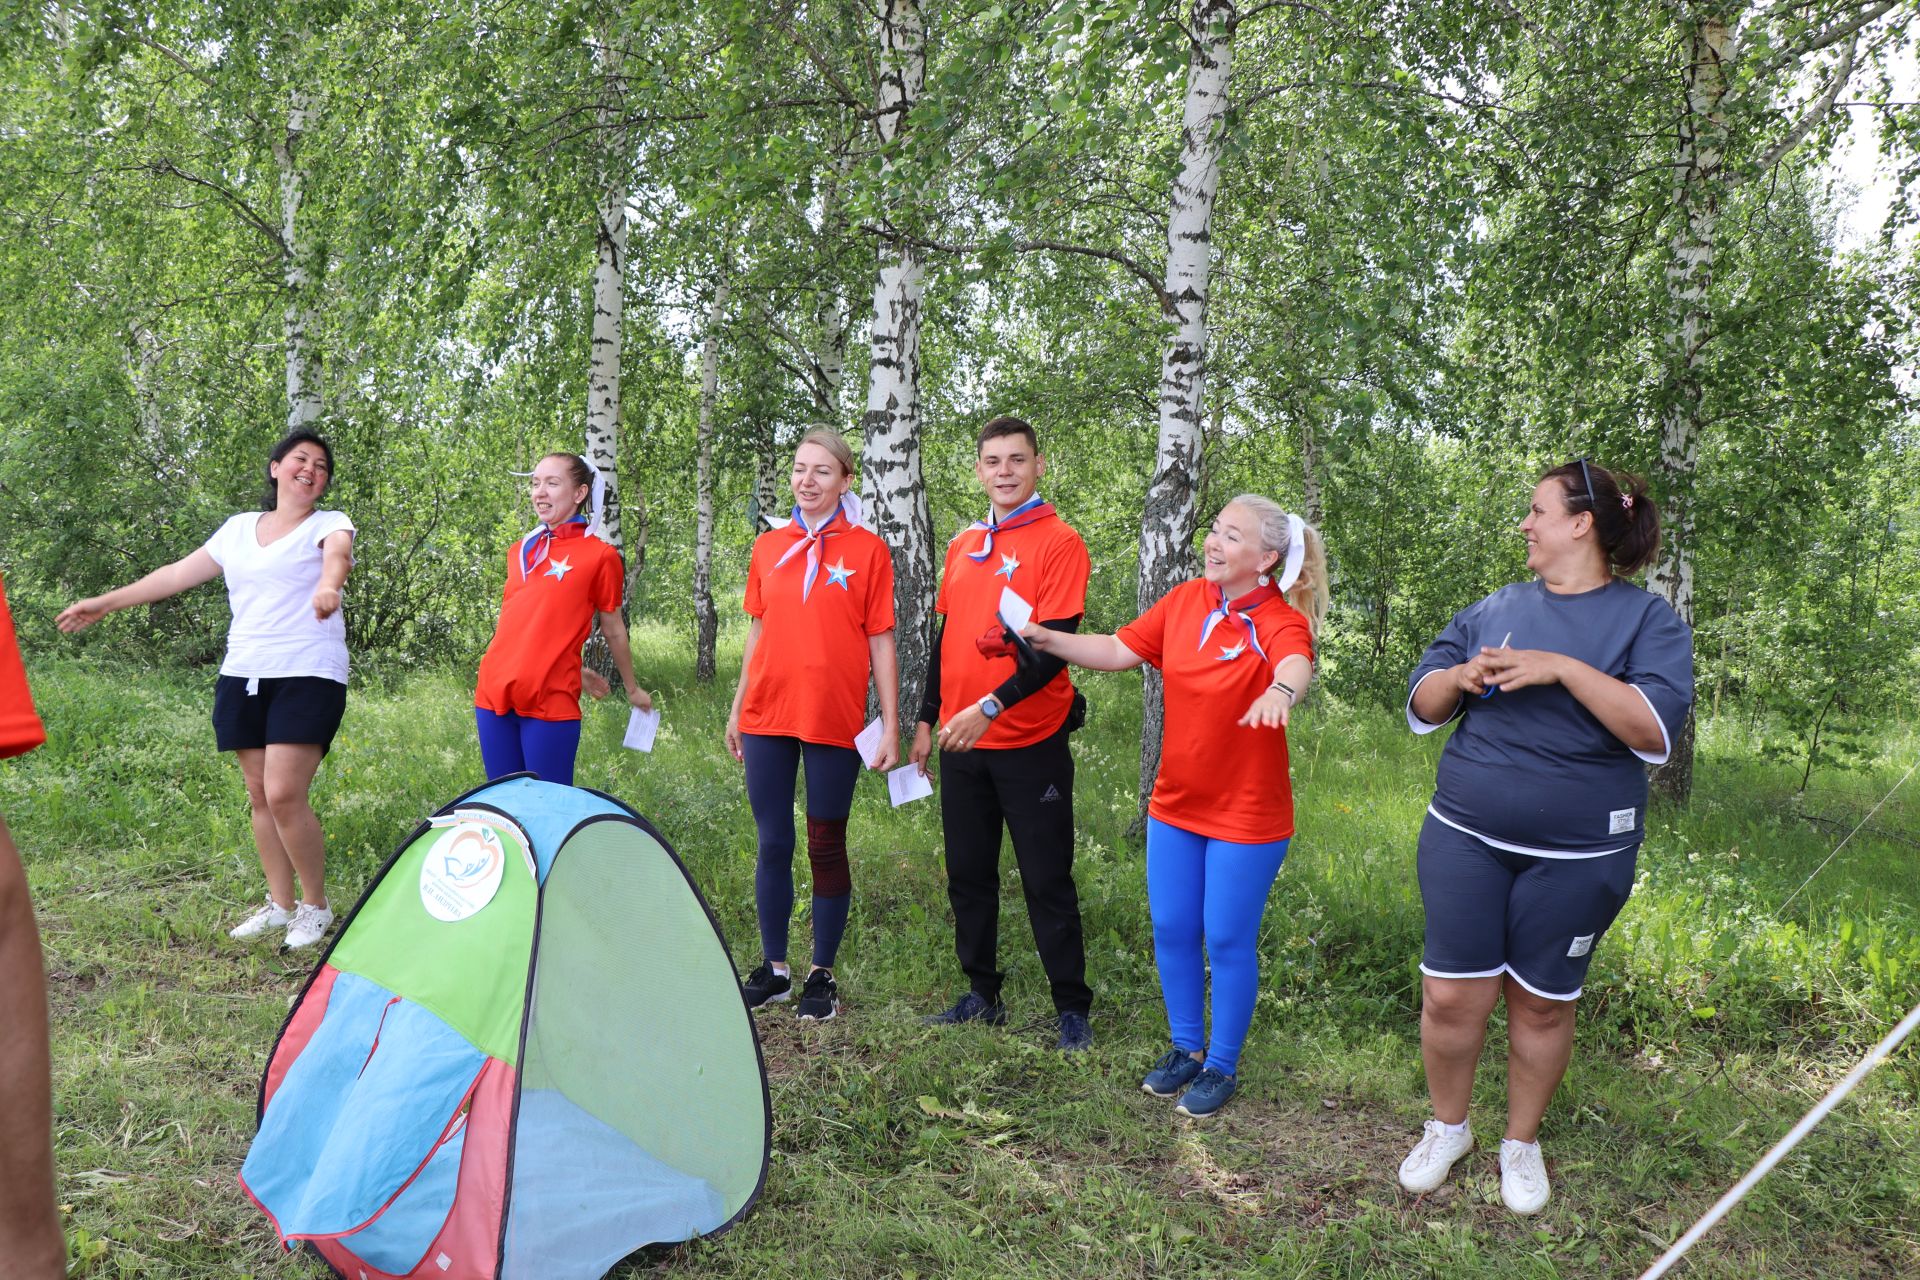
<point>524,1055</point>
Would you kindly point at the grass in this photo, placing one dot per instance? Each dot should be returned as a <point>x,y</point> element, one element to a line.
<point>1714,1019</point>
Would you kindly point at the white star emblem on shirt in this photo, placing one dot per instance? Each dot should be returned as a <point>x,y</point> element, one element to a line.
<point>1007,565</point>
<point>838,573</point>
<point>1228,655</point>
<point>558,569</point>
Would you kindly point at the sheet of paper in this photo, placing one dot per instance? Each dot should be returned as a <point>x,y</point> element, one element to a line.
<point>908,783</point>
<point>641,727</point>
<point>867,742</point>
<point>1014,611</point>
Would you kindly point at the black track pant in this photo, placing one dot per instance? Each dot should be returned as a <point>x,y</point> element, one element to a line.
<point>1030,789</point>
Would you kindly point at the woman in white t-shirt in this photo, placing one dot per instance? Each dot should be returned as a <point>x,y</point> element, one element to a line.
<point>283,684</point>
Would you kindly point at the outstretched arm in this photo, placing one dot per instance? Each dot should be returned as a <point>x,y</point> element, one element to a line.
<point>336,561</point>
<point>1095,652</point>
<point>183,574</point>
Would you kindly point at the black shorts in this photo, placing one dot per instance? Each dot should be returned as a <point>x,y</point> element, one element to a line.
<point>293,709</point>
<point>1491,911</point>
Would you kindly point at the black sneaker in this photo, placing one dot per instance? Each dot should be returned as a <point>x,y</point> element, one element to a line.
<point>819,998</point>
<point>763,986</point>
<point>1076,1033</point>
<point>971,1007</point>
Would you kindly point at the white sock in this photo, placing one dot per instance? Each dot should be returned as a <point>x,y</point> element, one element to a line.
<point>1452,1130</point>
<point>1515,1142</point>
<point>779,967</point>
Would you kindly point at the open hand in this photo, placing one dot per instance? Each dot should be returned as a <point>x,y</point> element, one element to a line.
<point>1268,711</point>
<point>81,614</point>
<point>594,683</point>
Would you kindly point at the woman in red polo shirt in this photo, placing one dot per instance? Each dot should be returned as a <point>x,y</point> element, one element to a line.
<point>560,578</point>
<point>1235,648</point>
<point>820,589</point>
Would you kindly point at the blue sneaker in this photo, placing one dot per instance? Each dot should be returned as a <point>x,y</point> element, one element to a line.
<point>1076,1033</point>
<point>971,1007</point>
<point>1208,1093</point>
<point>1171,1073</point>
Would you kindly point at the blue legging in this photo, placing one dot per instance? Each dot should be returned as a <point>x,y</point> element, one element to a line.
<point>512,743</point>
<point>1208,893</point>
<point>772,768</point>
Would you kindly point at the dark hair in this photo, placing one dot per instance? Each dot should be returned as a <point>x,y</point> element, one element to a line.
<point>1006,426</point>
<point>1625,520</point>
<point>582,474</point>
<point>297,436</point>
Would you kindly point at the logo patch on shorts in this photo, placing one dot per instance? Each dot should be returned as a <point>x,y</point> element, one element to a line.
<point>1620,821</point>
<point>1581,946</point>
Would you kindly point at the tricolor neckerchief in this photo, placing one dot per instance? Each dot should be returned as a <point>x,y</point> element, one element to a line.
<point>1238,610</point>
<point>1034,508</point>
<point>534,547</point>
<point>810,539</point>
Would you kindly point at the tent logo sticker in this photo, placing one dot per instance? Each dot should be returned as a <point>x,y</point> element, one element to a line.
<point>461,871</point>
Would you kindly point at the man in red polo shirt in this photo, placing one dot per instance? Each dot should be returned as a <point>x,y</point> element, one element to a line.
<point>1003,733</point>
<point>30,1243</point>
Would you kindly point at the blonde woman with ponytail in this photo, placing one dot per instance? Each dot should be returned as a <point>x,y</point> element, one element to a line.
<point>1235,647</point>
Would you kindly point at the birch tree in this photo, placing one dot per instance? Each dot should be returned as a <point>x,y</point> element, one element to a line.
<point>891,480</point>
<point>303,358</point>
<point>609,282</point>
<point>1169,520</point>
<point>1741,60</point>
<point>706,614</point>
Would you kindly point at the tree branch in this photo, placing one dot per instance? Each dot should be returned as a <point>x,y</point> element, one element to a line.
<point>165,168</point>
<point>1817,111</point>
<point>1133,267</point>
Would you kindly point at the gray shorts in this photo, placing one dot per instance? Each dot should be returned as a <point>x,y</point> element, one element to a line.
<point>1492,912</point>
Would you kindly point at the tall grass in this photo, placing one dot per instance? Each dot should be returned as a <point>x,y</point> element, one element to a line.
<point>1714,1017</point>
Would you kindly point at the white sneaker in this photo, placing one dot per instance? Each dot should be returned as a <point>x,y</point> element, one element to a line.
<point>271,916</point>
<point>309,924</point>
<point>1427,1164</point>
<point>1523,1176</point>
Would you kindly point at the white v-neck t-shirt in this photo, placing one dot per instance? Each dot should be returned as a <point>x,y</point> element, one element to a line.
<point>270,590</point>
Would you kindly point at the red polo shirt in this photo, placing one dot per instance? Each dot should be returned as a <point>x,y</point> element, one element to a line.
<point>810,669</point>
<point>1217,778</point>
<point>532,666</point>
<point>1046,564</point>
<point>20,728</point>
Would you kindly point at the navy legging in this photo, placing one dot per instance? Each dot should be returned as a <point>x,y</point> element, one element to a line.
<point>1208,892</point>
<point>773,765</point>
<point>512,743</point>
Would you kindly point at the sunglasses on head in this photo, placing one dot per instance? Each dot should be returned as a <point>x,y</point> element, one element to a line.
<point>1586,475</point>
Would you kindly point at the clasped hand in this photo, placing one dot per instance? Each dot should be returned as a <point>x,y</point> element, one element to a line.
<point>1508,669</point>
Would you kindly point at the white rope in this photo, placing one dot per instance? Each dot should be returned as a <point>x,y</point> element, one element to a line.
<point>1875,1056</point>
<point>1850,835</point>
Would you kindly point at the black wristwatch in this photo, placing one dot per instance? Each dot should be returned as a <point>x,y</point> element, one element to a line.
<point>990,707</point>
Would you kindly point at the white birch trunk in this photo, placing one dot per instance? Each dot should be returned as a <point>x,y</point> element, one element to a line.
<point>706,614</point>
<point>1703,130</point>
<point>1168,522</point>
<point>303,359</point>
<point>609,290</point>
<point>835,316</point>
<point>765,499</point>
<point>891,482</point>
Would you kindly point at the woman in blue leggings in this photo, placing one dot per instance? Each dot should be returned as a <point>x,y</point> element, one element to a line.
<point>1235,648</point>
